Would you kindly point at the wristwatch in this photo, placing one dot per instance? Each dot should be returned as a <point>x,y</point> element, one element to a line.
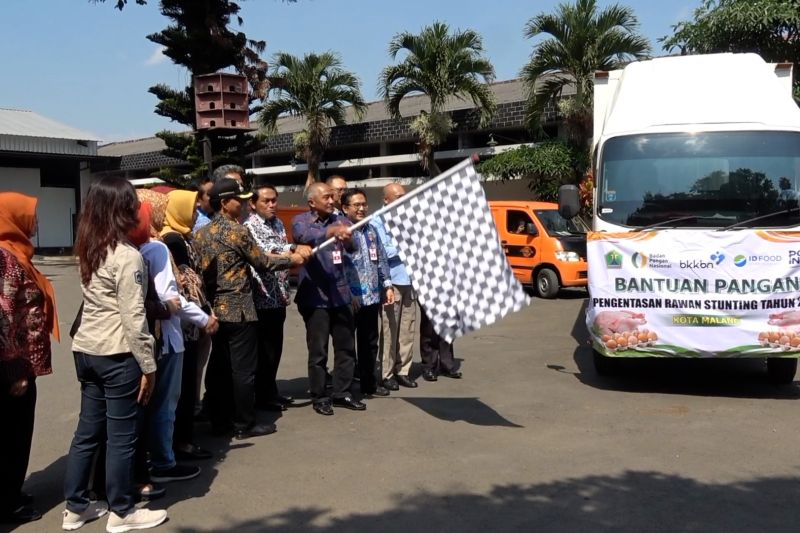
<point>293,248</point>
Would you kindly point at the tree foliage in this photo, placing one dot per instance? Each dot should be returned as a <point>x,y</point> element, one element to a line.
<point>547,166</point>
<point>581,39</point>
<point>441,64</point>
<point>770,28</point>
<point>317,88</point>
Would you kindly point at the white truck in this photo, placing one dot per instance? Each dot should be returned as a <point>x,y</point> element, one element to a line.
<point>695,248</point>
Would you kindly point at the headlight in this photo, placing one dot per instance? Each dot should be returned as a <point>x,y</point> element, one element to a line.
<point>568,257</point>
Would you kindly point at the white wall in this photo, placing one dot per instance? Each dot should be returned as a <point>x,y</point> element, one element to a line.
<point>55,208</point>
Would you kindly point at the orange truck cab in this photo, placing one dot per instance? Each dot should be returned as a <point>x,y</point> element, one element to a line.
<point>544,250</point>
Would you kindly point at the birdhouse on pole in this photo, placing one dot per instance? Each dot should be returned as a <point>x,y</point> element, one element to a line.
<point>222,103</point>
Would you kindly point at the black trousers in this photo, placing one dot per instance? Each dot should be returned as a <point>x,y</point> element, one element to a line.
<point>184,412</point>
<point>367,320</point>
<point>337,323</point>
<point>230,376</point>
<point>436,353</point>
<point>15,445</point>
<point>270,349</point>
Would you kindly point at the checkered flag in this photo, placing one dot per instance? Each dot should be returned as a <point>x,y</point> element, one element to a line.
<point>447,239</point>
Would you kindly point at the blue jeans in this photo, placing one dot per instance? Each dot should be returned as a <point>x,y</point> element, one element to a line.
<point>161,409</point>
<point>109,411</point>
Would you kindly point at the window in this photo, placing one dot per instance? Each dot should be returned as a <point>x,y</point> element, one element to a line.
<point>517,221</point>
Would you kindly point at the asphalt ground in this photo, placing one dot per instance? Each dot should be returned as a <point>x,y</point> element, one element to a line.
<point>530,440</point>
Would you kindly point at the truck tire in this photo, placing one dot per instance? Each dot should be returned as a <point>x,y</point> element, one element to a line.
<point>546,284</point>
<point>781,370</point>
<point>603,365</point>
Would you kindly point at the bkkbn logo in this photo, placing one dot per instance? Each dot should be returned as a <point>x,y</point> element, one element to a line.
<point>718,258</point>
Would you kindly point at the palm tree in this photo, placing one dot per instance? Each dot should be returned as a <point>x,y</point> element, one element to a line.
<point>439,64</point>
<point>317,88</point>
<point>582,40</point>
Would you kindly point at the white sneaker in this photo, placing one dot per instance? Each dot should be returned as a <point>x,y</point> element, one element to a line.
<point>136,519</point>
<point>73,521</point>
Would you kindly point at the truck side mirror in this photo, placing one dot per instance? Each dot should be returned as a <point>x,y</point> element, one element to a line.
<point>530,229</point>
<point>569,201</point>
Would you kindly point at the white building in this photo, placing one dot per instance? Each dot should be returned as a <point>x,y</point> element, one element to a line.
<point>43,158</point>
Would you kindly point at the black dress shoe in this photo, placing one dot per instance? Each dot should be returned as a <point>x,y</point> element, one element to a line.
<point>391,384</point>
<point>454,374</point>
<point>323,408</point>
<point>405,381</point>
<point>192,452</point>
<point>20,515</point>
<point>348,402</point>
<point>380,391</point>
<point>25,498</point>
<point>429,375</point>
<point>256,430</point>
<point>288,401</point>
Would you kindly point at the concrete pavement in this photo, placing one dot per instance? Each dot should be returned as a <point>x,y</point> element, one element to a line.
<point>530,440</point>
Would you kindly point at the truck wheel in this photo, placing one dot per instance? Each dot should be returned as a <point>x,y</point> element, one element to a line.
<point>547,284</point>
<point>603,365</point>
<point>781,370</point>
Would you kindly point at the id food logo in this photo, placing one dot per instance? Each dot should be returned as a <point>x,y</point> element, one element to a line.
<point>613,259</point>
<point>741,259</point>
<point>639,260</point>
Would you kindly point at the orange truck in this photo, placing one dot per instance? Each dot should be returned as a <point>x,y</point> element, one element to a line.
<point>545,251</point>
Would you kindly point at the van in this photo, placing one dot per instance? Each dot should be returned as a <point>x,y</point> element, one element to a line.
<point>545,251</point>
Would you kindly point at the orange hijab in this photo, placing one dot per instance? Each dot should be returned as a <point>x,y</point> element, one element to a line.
<point>17,221</point>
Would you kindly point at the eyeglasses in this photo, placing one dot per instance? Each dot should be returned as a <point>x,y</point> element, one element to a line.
<point>357,206</point>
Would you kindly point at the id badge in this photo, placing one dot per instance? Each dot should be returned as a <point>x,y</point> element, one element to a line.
<point>337,257</point>
<point>373,253</point>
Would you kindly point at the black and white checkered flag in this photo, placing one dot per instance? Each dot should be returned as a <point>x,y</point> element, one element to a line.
<point>448,241</point>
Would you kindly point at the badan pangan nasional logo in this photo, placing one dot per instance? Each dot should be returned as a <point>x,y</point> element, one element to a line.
<point>613,259</point>
<point>639,260</point>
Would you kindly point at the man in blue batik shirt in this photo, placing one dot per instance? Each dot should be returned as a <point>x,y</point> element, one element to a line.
<point>370,285</point>
<point>324,300</point>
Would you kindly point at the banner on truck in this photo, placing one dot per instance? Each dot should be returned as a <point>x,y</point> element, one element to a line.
<point>689,293</point>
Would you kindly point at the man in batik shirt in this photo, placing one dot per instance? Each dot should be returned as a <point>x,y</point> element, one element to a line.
<point>226,252</point>
<point>370,285</point>
<point>270,294</point>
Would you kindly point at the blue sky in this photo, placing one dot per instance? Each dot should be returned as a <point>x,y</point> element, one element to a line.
<point>89,66</point>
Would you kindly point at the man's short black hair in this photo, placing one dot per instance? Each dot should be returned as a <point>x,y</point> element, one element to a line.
<point>349,193</point>
<point>262,184</point>
<point>197,183</point>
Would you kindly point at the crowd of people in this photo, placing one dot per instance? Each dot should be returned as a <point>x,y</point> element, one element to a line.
<point>188,284</point>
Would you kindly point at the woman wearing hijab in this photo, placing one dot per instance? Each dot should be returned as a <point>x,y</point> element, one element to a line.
<point>114,361</point>
<point>27,319</point>
<point>179,221</point>
<point>161,421</point>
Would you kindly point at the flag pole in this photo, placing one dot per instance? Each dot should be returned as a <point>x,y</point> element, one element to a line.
<point>425,186</point>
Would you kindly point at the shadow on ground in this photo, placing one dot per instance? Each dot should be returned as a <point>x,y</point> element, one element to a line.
<point>631,502</point>
<point>735,378</point>
<point>469,410</point>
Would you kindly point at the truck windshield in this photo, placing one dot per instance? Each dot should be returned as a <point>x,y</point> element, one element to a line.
<point>714,178</point>
<point>555,224</point>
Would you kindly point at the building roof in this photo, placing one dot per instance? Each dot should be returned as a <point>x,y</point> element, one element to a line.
<point>134,146</point>
<point>24,123</point>
<point>504,92</point>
